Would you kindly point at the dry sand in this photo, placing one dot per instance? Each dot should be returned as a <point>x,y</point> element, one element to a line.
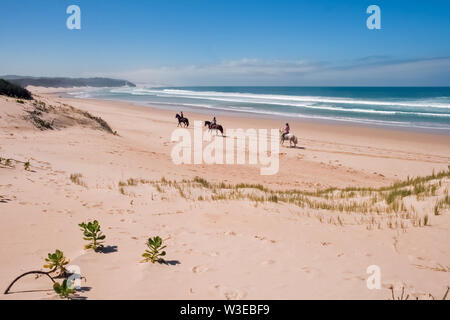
<point>216,249</point>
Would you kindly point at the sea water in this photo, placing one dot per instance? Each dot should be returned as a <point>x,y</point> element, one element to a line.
<point>426,108</point>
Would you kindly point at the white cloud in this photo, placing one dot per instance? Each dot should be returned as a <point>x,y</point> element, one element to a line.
<point>365,71</point>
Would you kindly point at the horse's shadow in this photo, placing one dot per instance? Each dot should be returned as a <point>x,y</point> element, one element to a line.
<point>293,147</point>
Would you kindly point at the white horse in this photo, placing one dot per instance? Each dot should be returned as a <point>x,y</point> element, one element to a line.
<point>288,137</point>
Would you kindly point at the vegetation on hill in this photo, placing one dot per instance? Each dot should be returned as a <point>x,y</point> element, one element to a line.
<point>49,117</point>
<point>61,82</point>
<point>12,90</point>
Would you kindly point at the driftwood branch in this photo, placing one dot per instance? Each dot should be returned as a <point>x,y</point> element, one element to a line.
<point>27,273</point>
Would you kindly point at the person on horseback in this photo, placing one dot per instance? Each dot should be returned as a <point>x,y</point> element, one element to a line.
<point>286,131</point>
<point>182,119</point>
<point>214,122</point>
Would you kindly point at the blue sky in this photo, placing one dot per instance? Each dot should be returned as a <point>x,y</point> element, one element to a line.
<point>197,42</point>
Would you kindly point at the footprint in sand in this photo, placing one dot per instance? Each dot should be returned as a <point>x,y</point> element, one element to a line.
<point>313,272</point>
<point>231,294</point>
<point>264,239</point>
<point>199,269</point>
<point>234,294</point>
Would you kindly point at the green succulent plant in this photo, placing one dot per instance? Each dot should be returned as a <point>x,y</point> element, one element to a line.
<point>154,252</point>
<point>63,290</point>
<point>56,262</point>
<point>92,233</point>
<point>7,162</point>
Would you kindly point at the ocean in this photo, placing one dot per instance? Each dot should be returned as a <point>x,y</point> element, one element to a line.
<point>419,108</point>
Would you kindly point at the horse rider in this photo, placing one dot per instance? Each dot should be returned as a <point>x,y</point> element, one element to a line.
<point>214,122</point>
<point>181,114</point>
<point>286,131</point>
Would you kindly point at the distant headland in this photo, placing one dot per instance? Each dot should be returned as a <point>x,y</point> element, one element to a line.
<point>62,82</point>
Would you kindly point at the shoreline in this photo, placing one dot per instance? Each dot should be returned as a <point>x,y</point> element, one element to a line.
<point>257,115</point>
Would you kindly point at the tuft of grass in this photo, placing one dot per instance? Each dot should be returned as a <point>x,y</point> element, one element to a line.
<point>442,204</point>
<point>426,220</point>
<point>396,193</point>
<point>158,188</point>
<point>202,182</point>
<point>77,178</point>
<point>400,297</point>
<point>132,182</point>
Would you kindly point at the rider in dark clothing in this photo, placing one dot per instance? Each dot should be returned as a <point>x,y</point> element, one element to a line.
<point>181,114</point>
<point>214,121</point>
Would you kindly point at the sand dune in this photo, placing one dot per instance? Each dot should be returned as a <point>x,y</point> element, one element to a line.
<point>222,242</point>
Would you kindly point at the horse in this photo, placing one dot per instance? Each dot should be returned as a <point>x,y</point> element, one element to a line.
<point>212,126</point>
<point>216,127</point>
<point>182,120</point>
<point>289,137</point>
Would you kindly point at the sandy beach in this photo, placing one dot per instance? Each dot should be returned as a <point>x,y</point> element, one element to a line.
<point>223,241</point>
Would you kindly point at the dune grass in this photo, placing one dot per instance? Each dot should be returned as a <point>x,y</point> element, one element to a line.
<point>442,204</point>
<point>371,204</point>
<point>77,178</point>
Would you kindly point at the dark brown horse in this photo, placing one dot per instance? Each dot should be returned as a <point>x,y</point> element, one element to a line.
<point>216,127</point>
<point>182,120</point>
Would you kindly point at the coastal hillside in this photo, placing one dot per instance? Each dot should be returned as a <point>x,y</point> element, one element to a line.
<point>38,113</point>
<point>60,82</point>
